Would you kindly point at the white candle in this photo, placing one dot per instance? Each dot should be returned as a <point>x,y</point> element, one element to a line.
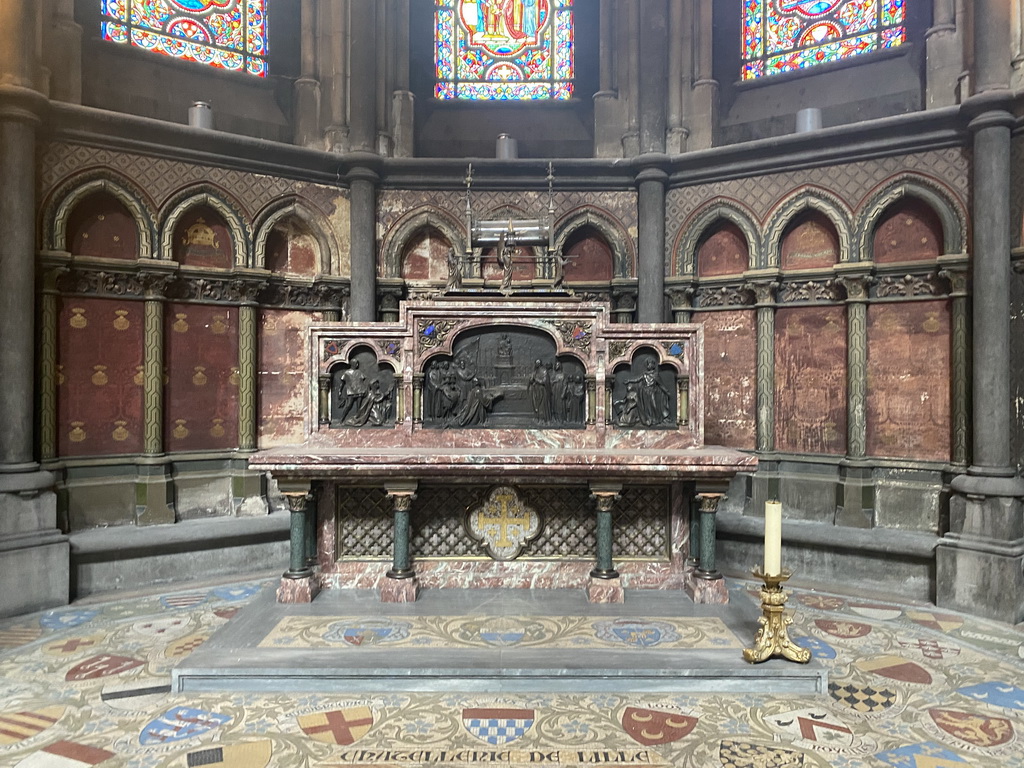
<point>772,538</point>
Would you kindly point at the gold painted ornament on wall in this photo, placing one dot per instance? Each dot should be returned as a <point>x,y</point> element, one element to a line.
<point>121,322</point>
<point>235,378</point>
<point>99,378</point>
<point>78,318</point>
<point>217,430</point>
<point>140,377</point>
<point>201,234</point>
<point>180,431</point>
<point>218,325</point>
<point>199,377</point>
<point>77,433</point>
<point>180,324</point>
<point>120,433</point>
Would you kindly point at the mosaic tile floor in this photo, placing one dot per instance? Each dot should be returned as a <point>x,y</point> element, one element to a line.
<point>910,687</point>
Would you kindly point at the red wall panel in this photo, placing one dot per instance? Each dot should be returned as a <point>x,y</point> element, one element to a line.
<point>283,378</point>
<point>730,377</point>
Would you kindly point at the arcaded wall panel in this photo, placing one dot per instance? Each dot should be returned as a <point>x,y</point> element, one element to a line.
<point>283,388</point>
<point>723,252</point>
<point>101,226</point>
<point>730,377</point>
<point>201,390</point>
<point>99,379</point>
<point>908,231</point>
<point>810,380</point>
<point>426,257</point>
<point>908,404</point>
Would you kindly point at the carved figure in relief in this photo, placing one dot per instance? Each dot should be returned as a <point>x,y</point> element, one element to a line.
<point>540,392</point>
<point>505,251</point>
<point>653,397</point>
<point>353,388</point>
<point>450,396</point>
<point>627,410</point>
<point>379,412</point>
<point>574,397</point>
<point>559,391</point>
<point>476,404</point>
<point>454,271</point>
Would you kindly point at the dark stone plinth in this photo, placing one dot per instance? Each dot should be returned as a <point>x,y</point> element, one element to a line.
<point>399,590</point>
<point>301,590</point>
<point>606,591</point>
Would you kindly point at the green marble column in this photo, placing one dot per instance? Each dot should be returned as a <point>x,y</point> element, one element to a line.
<point>764,294</point>
<point>401,567</point>
<point>604,497</point>
<point>856,365</point>
<point>247,352</point>
<point>298,504</point>
<point>708,506</point>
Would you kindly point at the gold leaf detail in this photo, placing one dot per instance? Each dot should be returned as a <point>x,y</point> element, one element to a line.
<point>121,322</point>
<point>217,325</point>
<point>180,432</point>
<point>180,325</point>
<point>120,434</point>
<point>77,434</point>
<point>931,323</point>
<point>140,377</point>
<point>217,430</point>
<point>99,378</point>
<point>200,233</point>
<point>199,378</point>
<point>236,377</point>
<point>78,318</point>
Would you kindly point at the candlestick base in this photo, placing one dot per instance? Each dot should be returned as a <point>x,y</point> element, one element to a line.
<point>773,635</point>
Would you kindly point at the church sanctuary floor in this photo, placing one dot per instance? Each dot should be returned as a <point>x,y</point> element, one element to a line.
<point>909,686</point>
<point>494,640</point>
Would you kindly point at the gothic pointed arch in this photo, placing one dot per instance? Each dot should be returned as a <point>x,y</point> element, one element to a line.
<point>807,200</point>
<point>328,256</point>
<point>692,233</point>
<point>940,200</point>
<point>623,254</point>
<point>399,236</point>
<point>63,201</point>
<point>218,200</point>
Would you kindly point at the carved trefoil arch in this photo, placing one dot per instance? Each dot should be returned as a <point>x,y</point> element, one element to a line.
<point>328,256</point>
<point>623,253</point>
<point>942,202</point>
<point>216,199</point>
<point>411,224</point>
<point>693,231</point>
<point>829,205</point>
<point>66,198</point>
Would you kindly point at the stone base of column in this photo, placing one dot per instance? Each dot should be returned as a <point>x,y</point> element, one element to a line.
<point>606,591</point>
<point>248,494</point>
<point>978,564</point>
<point>154,495</point>
<point>301,590</point>
<point>709,589</point>
<point>982,578</point>
<point>399,590</point>
<point>36,556</point>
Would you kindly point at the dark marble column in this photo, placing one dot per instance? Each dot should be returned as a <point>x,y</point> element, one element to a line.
<point>979,560</point>
<point>651,268</point>
<point>363,224</point>
<point>400,584</point>
<point>605,585</point>
<point>363,80</point>
<point>34,554</point>
<point>654,50</point>
<point>299,584</point>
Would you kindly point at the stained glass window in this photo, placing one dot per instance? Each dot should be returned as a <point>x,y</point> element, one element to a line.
<point>783,35</point>
<point>503,49</point>
<point>229,34</point>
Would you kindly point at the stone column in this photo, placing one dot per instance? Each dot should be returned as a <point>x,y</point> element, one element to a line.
<point>401,585</point>
<point>856,506</point>
<point>608,112</point>
<point>944,55</point>
<point>363,239</point>
<point>764,296</point>
<point>154,488</point>
<point>679,72</point>
<point>705,583</point>
<point>980,559</point>
<point>654,89</point>
<point>48,364</point>
<point>402,103</point>
<point>333,48</point>
<point>704,97</point>
<point>960,361</point>
<point>605,585</point>
<point>307,87</point>
<point>651,183</point>
<point>35,555</point>
<point>299,584</point>
<point>247,487</point>
<point>362,83</point>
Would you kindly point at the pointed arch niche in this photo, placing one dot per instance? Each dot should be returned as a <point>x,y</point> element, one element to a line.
<point>722,250</point>
<point>908,230</point>
<point>424,257</point>
<point>101,225</point>
<point>809,241</point>
<point>591,256</point>
<point>202,238</point>
<point>292,248</point>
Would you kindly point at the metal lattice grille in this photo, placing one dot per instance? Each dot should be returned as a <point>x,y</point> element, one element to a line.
<point>365,522</point>
<point>438,521</point>
<point>640,523</point>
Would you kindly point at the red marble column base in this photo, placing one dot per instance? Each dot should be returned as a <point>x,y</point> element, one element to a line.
<point>707,591</point>
<point>605,591</point>
<point>298,590</point>
<point>399,590</point>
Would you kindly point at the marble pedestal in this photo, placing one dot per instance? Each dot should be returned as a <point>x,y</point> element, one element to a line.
<point>301,590</point>
<point>399,590</point>
<point>606,591</point>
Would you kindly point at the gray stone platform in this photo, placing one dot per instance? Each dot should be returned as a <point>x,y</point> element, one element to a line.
<point>233,661</point>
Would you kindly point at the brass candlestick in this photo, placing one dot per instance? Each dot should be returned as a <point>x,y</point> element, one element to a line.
<point>773,635</point>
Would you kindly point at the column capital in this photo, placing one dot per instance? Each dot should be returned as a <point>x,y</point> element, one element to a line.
<point>651,169</point>
<point>22,104</point>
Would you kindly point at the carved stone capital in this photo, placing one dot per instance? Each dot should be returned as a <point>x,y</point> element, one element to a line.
<point>681,297</point>
<point>298,502</point>
<point>907,285</point>
<point>813,291</point>
<point>763,290</point>
<point>957,277</point>
<point>856,286</point>
<point>708,502</point>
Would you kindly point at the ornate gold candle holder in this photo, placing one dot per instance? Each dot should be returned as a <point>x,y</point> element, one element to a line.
<point>773,635</point>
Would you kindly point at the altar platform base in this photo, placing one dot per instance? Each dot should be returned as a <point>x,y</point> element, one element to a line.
<point>492,640</point>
